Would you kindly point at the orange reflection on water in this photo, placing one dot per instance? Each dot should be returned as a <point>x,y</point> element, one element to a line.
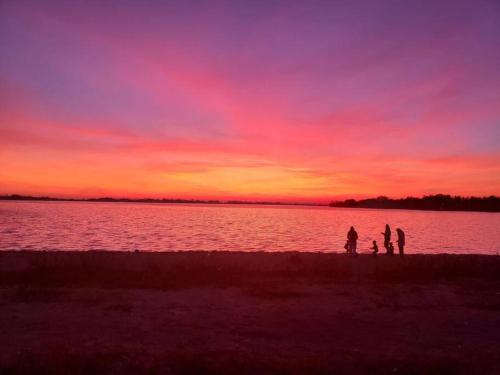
<point>178,227</point>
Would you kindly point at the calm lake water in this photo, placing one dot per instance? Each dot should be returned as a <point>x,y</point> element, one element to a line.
<point>173,227</point>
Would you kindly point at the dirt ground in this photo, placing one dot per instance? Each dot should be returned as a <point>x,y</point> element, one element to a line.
<point>272,325</point>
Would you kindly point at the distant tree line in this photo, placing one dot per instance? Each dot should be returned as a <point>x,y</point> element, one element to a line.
<point>104,199</point>
<point>439,202</point>
<point>18,197</point>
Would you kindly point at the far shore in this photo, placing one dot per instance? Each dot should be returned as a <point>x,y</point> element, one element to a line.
<point>248,313</point>
<point>21,198</point>
<point>438,202</point>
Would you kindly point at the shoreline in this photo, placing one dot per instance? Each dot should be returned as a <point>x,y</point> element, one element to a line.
<point>187,268</point>
<point>161,201</point>
<point>238,203</point>
<point>252,313</point>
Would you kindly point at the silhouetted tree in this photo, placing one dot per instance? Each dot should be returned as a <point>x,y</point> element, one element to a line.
<point>438,202</point>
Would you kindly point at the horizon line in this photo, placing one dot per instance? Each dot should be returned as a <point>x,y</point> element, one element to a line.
<point>234,200</point>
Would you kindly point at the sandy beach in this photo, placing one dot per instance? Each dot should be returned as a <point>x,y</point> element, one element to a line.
<point>237,313</point>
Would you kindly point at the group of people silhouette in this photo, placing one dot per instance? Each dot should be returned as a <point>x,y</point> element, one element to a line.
<point>352,242</point>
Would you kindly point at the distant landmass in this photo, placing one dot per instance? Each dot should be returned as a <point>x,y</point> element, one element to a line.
<point>439,202</point>
<point>17,197</point>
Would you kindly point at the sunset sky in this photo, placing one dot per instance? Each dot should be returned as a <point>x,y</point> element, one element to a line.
<point>288,100</point>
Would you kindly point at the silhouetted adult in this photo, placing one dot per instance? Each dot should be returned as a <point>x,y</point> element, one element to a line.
<point>352,239</point>
<point>401,241</point>
<point>387,237</point>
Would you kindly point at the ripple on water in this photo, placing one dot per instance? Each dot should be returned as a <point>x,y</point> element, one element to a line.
<point>113,226</point>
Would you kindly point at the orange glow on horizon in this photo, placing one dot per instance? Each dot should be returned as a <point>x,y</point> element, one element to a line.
<point>302,109</point>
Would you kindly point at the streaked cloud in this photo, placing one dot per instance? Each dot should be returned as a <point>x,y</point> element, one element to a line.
<point>299,101</point>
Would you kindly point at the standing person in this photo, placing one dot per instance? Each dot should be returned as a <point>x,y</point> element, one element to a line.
<point>401,241</point>
<point>387,237</point>
<point>352,239</point>
<point>375,248</point>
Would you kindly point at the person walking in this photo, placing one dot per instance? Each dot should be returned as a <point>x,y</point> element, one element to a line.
<point>352,239</point>
<point>401,241</point>
<point>387,238</point>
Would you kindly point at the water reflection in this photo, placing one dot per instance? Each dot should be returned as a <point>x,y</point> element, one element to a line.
<point>164,227</point>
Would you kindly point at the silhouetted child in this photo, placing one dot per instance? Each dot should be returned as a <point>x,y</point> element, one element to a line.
<point>375,248</point>
<point>390,250</point>
<point>346,247</point>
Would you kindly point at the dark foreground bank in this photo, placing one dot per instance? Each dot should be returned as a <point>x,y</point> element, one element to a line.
<point>233,269</point>
<point>248,313</point>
